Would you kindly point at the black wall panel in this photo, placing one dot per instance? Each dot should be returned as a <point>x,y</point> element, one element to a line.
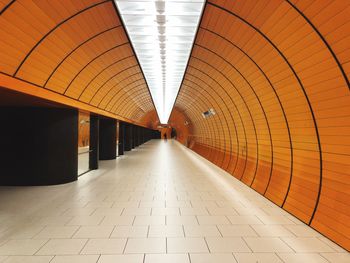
<point>38,146</point>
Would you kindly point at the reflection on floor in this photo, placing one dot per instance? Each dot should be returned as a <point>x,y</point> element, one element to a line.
<point>159,203</point>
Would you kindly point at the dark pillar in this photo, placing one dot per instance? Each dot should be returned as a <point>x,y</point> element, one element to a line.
<point>132,127</point>
<point>107,139</point>
<point>142,137</point>
<point>94,135</point>
<point>38,146</point>
<point>137,136</point>
<point>128,137</point>
<point>121,138</point>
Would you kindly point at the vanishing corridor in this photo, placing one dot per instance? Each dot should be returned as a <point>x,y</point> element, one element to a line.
<point>159,203</point>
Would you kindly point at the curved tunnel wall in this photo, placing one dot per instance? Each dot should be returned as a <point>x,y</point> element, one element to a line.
<point>276,74</point>
<point>78,50</point>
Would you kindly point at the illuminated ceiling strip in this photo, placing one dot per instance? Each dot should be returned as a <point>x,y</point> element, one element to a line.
<point>162,34</point>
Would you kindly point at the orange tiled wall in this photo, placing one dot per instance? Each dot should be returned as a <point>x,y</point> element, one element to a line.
<point>276,73</point>
<point>77,51</point>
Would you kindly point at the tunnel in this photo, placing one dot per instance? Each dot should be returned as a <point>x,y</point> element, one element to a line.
<point>257,90</point>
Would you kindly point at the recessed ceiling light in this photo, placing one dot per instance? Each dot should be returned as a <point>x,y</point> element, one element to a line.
<point>162,33</point>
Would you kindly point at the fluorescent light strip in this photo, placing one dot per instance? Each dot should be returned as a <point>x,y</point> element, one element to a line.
<point>162,34</point>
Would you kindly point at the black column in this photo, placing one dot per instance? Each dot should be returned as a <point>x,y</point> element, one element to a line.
<point>132,128</point>
<point>128,137</point>
<point>135,136</point>
<point>142,136</point>
<point>107,139</point>
<point>121,138</point>
<point>94,135</point>
<point>38,146</point>
<point>137,129</point>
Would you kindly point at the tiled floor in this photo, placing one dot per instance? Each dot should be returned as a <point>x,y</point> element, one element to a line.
<point>159,203</point>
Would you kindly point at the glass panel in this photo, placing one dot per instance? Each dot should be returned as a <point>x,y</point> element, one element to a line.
<point>83,142</point>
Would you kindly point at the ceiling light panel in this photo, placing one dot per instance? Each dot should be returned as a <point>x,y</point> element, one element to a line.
<point>162,33</point>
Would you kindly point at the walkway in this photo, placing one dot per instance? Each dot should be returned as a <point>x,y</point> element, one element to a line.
<point>159,203</point>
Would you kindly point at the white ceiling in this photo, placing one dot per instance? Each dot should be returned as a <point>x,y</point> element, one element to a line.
<point>162,33</point>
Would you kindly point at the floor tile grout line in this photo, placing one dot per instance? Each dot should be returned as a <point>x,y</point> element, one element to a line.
<point>217,227</point>
<point>81,250</point>
<point>126,243</point>
<point>321,239</point>
<point>110,235</point>
<point>50,259</point>
<point>278,256</point>
<point>76,231</point>
<point>320,253</point>
<point>205,240</point>
<point>287,244</point>
<point>245,241</point>
<point>236,260</point>
<point>41,246</point>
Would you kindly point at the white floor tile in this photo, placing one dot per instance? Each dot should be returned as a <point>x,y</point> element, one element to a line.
<point>117,211</point>
<point>307,244</point>
<point>213,220</point>
<point>302,257</point>
<point>129,231</point>
<point>21,246</point>
<point>104,246</point>
<point>181,220</point>
<point>219,211</point>
<point>212,258</point>
<point>257,257</point>
<point>201,231</point>
<point>330,243</point>
<point>145,245</point>
<point>53,220</point>
<point>267,244</point>
<point>137,211</point>
<point>272,231</point>
<point>75,259</point>
<point>85,220</point>
<point>302,231</point>
<point>115,220</point>
<point>178,204</point>
<point>275,220</point>
<point>62,247</point>
<point>170,211</point>
<point>226,245</point>
<point>94,232</point>
<point>137,258</point>
<point>79,211</point>
<point>149,220</point>
<point>153,204</point>
<point>167,258</point>
<point>57,232</point>
<point>186,245</point>
<point>190,211</point>
<point>166,231</point>
<point>237,231</point>
<point>337,257</point>
<point>28,259</point>
<point>244,220</point>
<point>23,232</point>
